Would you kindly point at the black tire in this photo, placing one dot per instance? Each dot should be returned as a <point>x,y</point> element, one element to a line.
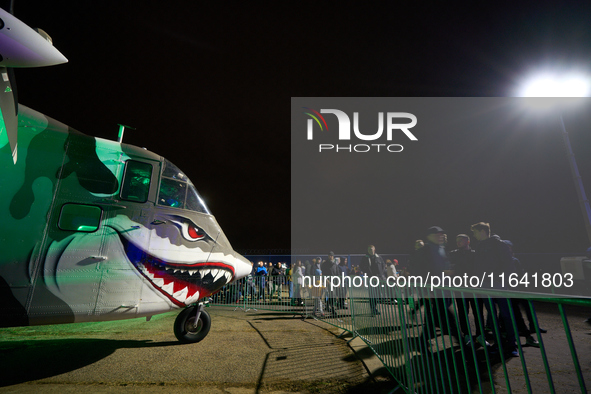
<point>184,329</point>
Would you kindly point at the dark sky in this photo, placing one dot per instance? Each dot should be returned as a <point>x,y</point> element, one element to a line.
<point>209,86</point>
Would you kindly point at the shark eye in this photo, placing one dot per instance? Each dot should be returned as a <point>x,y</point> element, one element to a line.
<point>192,232</point>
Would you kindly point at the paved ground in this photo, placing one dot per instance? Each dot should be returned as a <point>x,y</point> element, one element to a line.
<point>243,353</point>
<point>264,351</point>
<point>559,359</point>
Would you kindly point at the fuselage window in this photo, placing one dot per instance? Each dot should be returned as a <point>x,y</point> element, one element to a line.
<point>136,181</point>
<point>79,217</point>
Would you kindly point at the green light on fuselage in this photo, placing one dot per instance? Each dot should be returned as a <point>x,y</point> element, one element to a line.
<point>87,228</point>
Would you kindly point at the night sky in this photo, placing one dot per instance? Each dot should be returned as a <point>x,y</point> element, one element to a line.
<point>209,88</point>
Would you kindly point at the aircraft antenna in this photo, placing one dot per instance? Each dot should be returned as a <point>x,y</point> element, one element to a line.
<point>215,242</point>
<point>122,130</point>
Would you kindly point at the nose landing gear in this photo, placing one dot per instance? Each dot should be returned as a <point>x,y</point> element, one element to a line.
<point>192,324</point>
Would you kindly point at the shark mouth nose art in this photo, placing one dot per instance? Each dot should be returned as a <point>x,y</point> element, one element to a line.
<point>183,284</point>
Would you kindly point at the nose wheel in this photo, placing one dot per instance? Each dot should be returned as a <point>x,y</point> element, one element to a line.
<point>192,324</point>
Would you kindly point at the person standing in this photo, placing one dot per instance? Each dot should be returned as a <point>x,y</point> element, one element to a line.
<point>307,268</point>
<point>344,266</point>
<point>288,272</point>
<point>494,256</point>
<point>391,273</point>
<point>463,261</point>
<point>519,304</point>
<point>345,271</point>
<point>278,279</point>
<point>260,276</point>
<point>432,259</point>
<point>391,269</point>
<point>373,265</point>
<point>296,280</point>
<point>330,268</point>
<point>415,305</point>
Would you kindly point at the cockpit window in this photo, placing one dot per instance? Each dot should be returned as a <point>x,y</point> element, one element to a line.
<point>171,171</point>
<point>177,191</point>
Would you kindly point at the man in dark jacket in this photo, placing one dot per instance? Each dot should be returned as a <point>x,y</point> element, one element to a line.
<point>373,265</point>
<point>432,259</point>
<point>308,268</point>
<point>494,256</point>
<point>463,261</point>
<point>331,268</point>
<point>278,278</point>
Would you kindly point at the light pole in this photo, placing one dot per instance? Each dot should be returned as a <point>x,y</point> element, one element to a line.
<point>564,86</point>
<point>583,201</point>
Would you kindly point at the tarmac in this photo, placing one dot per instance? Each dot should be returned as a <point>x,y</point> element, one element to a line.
<point>245,352</point>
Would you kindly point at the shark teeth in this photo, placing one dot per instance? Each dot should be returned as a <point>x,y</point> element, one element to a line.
<point>193,298</point>
<point>169,288</point>
<point>179,276</point>
<point>181,295</point>
<point>217,275</point>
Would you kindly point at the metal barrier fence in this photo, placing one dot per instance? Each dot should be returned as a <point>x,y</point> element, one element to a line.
<point>442,342</point>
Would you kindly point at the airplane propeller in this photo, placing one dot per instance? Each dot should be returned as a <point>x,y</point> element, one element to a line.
<point>20,46</point>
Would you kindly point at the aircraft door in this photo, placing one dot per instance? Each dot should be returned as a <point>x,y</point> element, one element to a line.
<point>122,284</point>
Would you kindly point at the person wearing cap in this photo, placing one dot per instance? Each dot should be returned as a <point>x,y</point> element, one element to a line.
<point>373,265</point>
<point>432,259</point>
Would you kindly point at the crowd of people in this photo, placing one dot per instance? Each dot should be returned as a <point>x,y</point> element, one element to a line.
<point>270,282</point>
<point>490,254</point>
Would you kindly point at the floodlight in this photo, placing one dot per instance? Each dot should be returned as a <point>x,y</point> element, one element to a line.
<point>549,85</point>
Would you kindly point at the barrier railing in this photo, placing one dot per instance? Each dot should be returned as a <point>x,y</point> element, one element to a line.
<point>451,340</point>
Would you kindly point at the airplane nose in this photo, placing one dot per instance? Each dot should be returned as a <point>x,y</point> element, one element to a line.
<point>242,268</point>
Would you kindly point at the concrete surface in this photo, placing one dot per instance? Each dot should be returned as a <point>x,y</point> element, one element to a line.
<point>244,353</point>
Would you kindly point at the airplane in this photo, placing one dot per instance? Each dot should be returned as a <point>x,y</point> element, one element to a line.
<point>93,229</point>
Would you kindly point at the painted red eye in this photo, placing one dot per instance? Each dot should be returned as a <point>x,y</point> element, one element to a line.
<point>194,232</point>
